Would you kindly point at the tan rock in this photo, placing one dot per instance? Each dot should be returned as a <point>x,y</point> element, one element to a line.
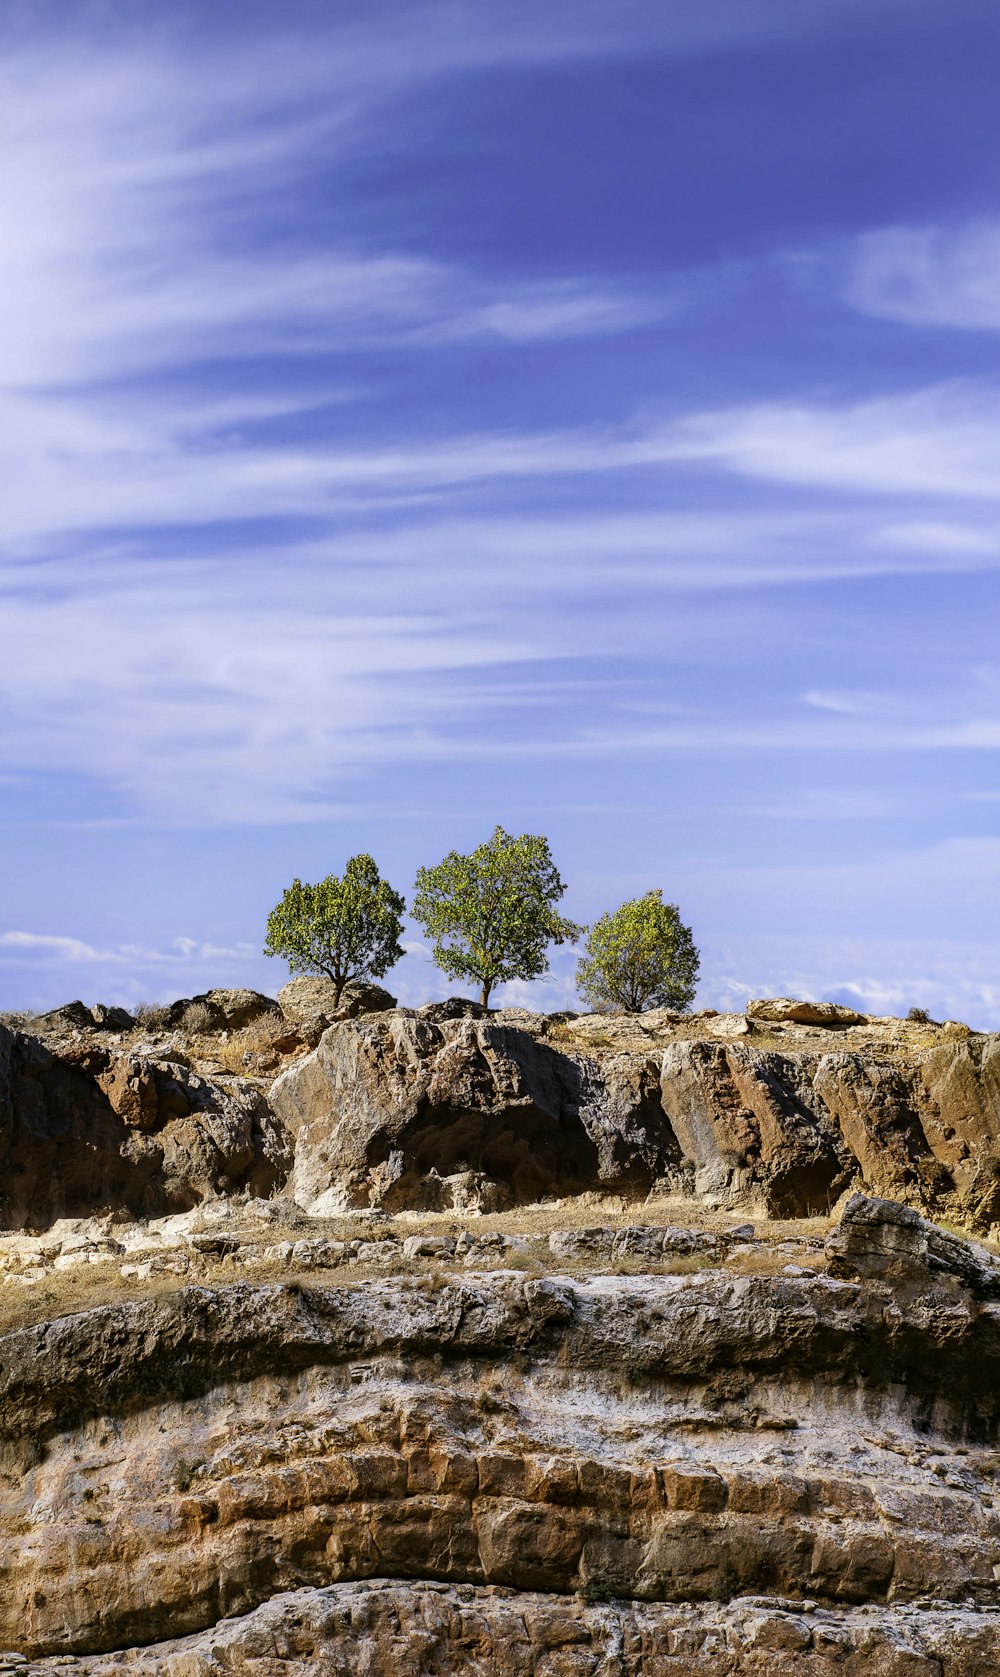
<point>779,1010</point>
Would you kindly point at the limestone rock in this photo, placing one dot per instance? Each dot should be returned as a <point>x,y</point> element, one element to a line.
<point>783,1010</point>
<point>76,1016</point>
<point>390,1105</point>
<point>83,1131</point>
<point>667,1472</point>
<point>401,1628</point>
<point>310,1003</point>
<point>111,1018</point>
<point>453,1007</point>
<point>239,1008</point>
<point>878,1239</point>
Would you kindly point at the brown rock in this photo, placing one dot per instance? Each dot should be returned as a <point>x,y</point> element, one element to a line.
<point>85,1131</point>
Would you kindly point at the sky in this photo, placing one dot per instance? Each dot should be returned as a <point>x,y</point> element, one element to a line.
<point>579,417</point>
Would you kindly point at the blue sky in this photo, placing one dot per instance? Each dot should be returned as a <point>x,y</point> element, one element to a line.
<point>583,417</point>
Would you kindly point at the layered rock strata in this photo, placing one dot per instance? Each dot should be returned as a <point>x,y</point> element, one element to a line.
<point>628,1473</point>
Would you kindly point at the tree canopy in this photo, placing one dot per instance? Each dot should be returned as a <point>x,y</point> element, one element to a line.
<point>639,957</point>
<point>346,928</point>
<point>490,915</point>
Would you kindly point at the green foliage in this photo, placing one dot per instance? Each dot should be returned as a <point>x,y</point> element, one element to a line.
<point>490,915</point>
<point>638,958</point>
<point>346,928</point>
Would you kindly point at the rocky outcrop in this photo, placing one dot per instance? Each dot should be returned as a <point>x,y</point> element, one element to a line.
<point>628,1473</point>
<point>389,1628</point>
<point>451,1107</point>
<point>86,1130</point>
<point>396,1110</point>
<point>311,1005</point>
<point>430,1112</point>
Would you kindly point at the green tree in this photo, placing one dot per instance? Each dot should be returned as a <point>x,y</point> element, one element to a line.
<point>346,928</point>
<point>490,915</point>
<point>639,957</point>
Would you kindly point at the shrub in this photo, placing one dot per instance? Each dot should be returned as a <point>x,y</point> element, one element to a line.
<point>152,1016</point>
<point>639,957</point>
<point>198,1019</point>
<point>490,914</point>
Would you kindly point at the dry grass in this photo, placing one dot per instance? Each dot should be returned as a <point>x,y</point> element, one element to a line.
<point>88,1285</point>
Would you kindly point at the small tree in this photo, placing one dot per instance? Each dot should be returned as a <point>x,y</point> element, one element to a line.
<point>346,928</point>
<point>639,957</point>
<point>490,915</point>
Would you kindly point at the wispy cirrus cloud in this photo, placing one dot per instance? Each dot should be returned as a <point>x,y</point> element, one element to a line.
<point>929,276</point>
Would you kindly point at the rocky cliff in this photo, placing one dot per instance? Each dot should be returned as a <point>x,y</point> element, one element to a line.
<point>445,1108</point>
<point>311,1360</point>
<point>722,1470</point>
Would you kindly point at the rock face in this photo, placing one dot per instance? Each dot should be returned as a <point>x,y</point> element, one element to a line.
<point>396,1110</point>
<point>402,1110</point>
<point>396,1629</point>
<point>88,1130</point>
<point>450,1107</point>
<point>689,1474</point>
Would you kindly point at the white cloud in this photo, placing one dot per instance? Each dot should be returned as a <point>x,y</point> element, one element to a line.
<point>930,276</point>
<point>54,947</point>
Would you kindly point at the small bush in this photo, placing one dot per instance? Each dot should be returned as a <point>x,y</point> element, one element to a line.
<point>152,1016</point>
<point>919,1016</point>
<point>198,1019</point>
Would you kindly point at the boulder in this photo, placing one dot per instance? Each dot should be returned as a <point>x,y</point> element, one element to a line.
<point>111,1018</point>
<point>239,1008</point>
<point>76,1016</point>
<point>453,1007</point>
<point>880,1240</point>
<point>310,1003</point>
<point>782,1010</point>
<point>72,1016</point>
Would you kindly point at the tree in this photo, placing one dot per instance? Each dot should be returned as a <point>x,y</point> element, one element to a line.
<point>346,928</point>
<point>639,957</point>
<point>490,915</point>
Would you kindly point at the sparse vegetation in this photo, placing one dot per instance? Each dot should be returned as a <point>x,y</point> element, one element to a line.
<point>152,1016</point>
<point>16,1019</point>
<point>198,1019</point>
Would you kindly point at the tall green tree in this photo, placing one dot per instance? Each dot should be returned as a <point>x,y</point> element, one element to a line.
<point>639,957</point>
<point>345,928</point>
<point>490,915</point>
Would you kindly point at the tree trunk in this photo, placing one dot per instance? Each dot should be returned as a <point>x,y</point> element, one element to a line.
<point>484,994</point>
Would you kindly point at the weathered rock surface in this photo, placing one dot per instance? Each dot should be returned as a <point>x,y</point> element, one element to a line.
<point>87,1129</point>
<point>311,1005</point>
<point>405,1110</point>
<point>395,1110</point>
<point>773,1010</point>
<point>387,1628</point>
<point>688,1474</point>
<point>452,1108</point>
